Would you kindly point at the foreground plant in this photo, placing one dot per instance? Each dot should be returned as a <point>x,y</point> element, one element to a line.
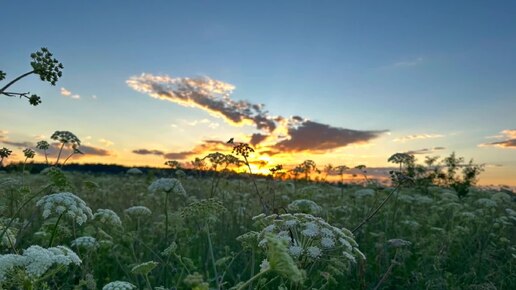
<point>45,66</point>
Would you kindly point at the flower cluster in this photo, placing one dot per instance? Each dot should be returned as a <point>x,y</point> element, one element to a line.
<point>119,285</point>
<point>108,217</point>
<point>37,260</point>
<point>66,137</point>
<point>167,185</point>
<point>86,242</point>
<point>138,211</point>
<point>134,171</point>
<point>65,203</point>
<point>304,206</point>
<point>309,238</point>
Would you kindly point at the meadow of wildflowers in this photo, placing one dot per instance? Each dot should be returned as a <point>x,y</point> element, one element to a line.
<point>179,230</point>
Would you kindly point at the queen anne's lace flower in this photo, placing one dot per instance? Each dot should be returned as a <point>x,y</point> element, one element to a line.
<point>138,211</point>
<point>65,203</point>
<point>304,206</point>
<point>108,217</point>
<point>309,238</point>
<point>38,260</point>
<point>134,171</point>
<point>167,185</point>
<point>85,242</point>
<point>119,285</point>
<point>8,262</point>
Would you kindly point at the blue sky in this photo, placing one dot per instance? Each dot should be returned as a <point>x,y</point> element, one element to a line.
<point>410,67</point>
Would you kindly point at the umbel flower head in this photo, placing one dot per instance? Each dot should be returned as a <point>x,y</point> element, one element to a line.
<point>65,203</point>
<point>138,211</point>
<point>167,185</point>
<point>37,260</point>
<point>66,137</point>
<point>119,285</point>
<point>42,145</point>
<point>108,217</point>
<point>86,242</point>
<point>29,153</point>
<point>304,206</point>
<point>310,239</point>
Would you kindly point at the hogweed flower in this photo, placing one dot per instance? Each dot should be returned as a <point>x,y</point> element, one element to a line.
<point>29,153</point>
<point>86,242</point>
<point>66,137</point>
<point>309,239</point>
<point>119,285</point>
<point>304,206</point>
<point>108,217</point>
<point>138,211</point>
<point>42,145</point>
<point>134,171</point>
<point>144,268</point>
<point>65,203</point>
<point>167,185</point>
<point>39,260</point>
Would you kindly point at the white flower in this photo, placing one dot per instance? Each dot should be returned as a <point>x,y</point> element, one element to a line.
<point>486,202</point>
<point>107,216</point>
<point>327,242</point>
<point>264,265</point>
<point>86,242</point>
<point>311,230</point>
<point>167,185</point>
<point>8,262</point>
<point>39,260</point>
<point>398,243</point>
<point>119,285</point>
<point>138,211</point>
<point>134,171</point>
<point>295,251</point>
<point>65,203</point>
<point>305,206</point>
<point>314,252</point>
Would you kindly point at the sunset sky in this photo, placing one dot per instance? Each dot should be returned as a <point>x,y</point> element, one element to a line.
<point>341,82</point>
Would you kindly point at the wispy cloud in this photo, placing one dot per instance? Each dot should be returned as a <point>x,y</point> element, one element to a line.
<point>69,94</point>
<point>409,63</point>
<point>210,124</point>
<point>425,150</point>
<point>275,133</point>
<point>106,142</point>
<point>404,139</point>
<point>509,142</point>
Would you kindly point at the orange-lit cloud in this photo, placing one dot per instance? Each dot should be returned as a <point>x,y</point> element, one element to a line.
<point>276,134</point>
<point>69,94</point>
<point>201,150</point>
<point>509,142</point>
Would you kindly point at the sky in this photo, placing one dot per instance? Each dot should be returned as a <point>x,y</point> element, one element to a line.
<point>341,82</point>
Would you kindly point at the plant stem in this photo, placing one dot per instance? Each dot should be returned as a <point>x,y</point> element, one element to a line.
<point>19,210</point>
<point>59,155</point>
<point>212,257</point>
<point>248,282</point>
<point>2,90</point>
<point>376,210</point>
<point>55,230</point>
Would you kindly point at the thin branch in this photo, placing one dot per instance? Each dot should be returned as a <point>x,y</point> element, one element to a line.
<point>15,80</point>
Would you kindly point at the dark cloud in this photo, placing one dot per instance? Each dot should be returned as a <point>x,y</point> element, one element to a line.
<point>511,143</point>
<point>204,148</point>
<point>425,150</point>
<point>315,136</point>
<point>257,138</point>
<point>22,144</point>
<point>148,152</point>
<point>53,151</point>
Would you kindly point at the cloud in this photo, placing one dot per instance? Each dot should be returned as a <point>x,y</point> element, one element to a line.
<point>409,63</point>
<point>276,133</point>
<point>425,150</point>
<point>69,94</point>
<point>106,143</point>
<point>417,137</point>
<point>22,144</point>
<point>148,152</point>
<point>509,142</point>
<point>313,136</point>
<point>201,149</point>
<point>212,125</point>
<point>204,93</point>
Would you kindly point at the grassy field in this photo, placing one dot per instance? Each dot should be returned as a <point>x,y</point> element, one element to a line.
<point>188,232</point>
